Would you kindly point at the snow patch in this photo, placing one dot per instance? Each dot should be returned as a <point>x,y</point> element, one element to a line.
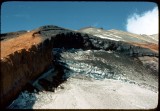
<point>82,94</point>
<point>98,30</point>
<point>107,37</point>
<point>116,55</point>
<point>112,35</point>
<point>109,51</point>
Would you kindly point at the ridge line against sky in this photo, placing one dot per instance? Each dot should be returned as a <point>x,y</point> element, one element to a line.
<point>135,17</point>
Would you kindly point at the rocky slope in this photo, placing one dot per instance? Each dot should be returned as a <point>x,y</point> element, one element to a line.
<point>145,41</point>
<point>30,54</point>
<point>119,35</point>
<point>92,79</point>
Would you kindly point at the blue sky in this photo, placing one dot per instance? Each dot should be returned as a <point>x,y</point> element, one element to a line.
<point>17,16</point>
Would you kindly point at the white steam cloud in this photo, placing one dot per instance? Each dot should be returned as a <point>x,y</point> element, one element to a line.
<point>146,23</point>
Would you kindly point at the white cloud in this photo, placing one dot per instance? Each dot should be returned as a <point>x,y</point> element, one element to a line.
<point>146,23</point>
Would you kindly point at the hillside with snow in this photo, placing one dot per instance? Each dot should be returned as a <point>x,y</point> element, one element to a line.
<point>57,68</point>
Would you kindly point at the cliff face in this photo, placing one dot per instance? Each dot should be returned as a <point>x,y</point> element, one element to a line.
<point>25,57</point>
<point>22,66</point>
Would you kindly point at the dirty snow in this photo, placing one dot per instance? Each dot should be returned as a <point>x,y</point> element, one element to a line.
<point>80,93</point>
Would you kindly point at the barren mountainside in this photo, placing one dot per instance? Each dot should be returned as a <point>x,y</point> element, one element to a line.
<point>54,67</point>
<point>119,35</point>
